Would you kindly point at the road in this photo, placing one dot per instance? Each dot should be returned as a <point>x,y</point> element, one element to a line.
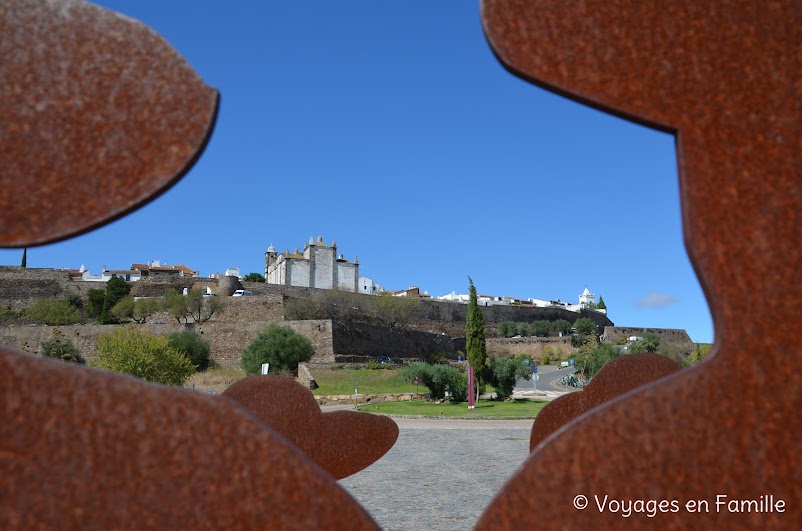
<point>546,386</point>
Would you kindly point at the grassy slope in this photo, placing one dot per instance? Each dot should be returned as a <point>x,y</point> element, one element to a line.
<point>378,381</point>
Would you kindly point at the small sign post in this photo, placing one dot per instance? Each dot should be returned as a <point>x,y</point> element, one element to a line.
<point>356,392</point>
<point>470,387</point>
<point>265,368</point>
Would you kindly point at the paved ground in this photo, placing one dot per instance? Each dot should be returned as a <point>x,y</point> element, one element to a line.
<point>441,474</point>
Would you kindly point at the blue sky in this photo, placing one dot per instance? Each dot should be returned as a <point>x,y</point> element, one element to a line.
<point>391,128</point>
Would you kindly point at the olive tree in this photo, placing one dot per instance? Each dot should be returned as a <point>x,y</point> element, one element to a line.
<point>281,347</point>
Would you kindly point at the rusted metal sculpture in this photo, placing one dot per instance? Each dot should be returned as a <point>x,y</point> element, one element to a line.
<point>81,448</point>
<point>725,77</point>
<point>98,115</point>
<point>616,378</point>
<point>341,442</point>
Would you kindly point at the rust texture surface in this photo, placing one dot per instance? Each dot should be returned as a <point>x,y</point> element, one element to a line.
<point>98,115</point>
<point>81,449</point>
<point>341,442</point>
<point>617,377</point>
<point>725,76</point>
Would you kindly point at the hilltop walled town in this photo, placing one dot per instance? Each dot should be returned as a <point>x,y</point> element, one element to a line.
<point>318,293</point>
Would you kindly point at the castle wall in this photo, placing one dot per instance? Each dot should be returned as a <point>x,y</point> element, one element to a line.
<point>227,339</point>
<point>677,338</point>
<point>537,347</point>
<point>354,342</point>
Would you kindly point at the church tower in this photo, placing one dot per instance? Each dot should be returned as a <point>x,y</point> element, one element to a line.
<point>270,258</point>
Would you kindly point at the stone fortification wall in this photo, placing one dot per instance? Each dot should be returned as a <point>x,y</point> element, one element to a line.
<point>158,286</point>
<point>20,286</point>
<point>243,309</point>
<point>227,339</point>
<point>495,314</point>
<point>537,347</point>
<point>438,311</point>
<point>355,342</point>
<point>668,336</point>
<point>227,285</point>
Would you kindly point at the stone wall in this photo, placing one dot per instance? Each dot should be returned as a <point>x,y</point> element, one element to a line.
<point>354,342</point>
<point>537,347</point>
<point>21,286</point>
<point>679,339</point>
<point>227,339</point>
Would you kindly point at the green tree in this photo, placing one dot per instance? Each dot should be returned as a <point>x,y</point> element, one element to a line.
<point>649,343</point>
<point>586,327</point>
<point>116,289</point>
<point>601,305</point>
<point>193,346</point>
<point>145,308</point>
<point>504,372</point>
<point>253,277</point>
<point>202,307</point>
<point>542,328</point>
<point>61,348</point>
<point>94,304</point>
<point>176,305</point>
<point>24,258</point>
<point>700,352</point>
<point>438,379</point>
<point>279,346</point>
<point>52,312</point>
<point>124,309</point>
<point>475,338</point>
<point>135,351</point>
<point>561,326</point>
<point>599,356</point>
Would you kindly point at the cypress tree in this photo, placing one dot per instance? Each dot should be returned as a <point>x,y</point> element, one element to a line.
<point>475,337</point>
<point>25,257</point>
<point>601,305</point>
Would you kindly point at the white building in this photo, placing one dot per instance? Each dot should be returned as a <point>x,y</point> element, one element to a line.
<point>455,297</point>
<point>318,266</point>
<point>368,286</point>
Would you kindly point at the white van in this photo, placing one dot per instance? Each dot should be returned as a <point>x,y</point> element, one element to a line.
<point>242,293</point>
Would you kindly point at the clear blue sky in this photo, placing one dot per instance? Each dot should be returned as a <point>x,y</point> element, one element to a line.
<point>390,127</point>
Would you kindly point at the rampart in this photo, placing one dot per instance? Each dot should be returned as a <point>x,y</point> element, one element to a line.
<point>227,339</point>
<point>359,342</point>
<point>537,347</point>
<point>677,338</point>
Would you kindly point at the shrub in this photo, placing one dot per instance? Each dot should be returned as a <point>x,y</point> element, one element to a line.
<point>193,346</point>
<point>53,312</point>
<point>438,378</point>
<point>279,346</point>
<point>61,348</point>
<point>141,354</point>
<point>546,360</point>
<point>504,372</point>
<point>116,289</point>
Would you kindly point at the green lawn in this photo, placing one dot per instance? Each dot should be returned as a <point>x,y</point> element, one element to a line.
<point>485,408</point>
<point>368,381</point>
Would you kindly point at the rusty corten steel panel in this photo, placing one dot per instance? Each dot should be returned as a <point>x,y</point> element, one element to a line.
<point>98,115</point>
<point>725,76</point>
<point>341,442</point>
<point>81,448</point>
<point>617,377</point>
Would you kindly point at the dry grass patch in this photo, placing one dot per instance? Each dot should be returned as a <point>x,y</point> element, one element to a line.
<point>216,379</point>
